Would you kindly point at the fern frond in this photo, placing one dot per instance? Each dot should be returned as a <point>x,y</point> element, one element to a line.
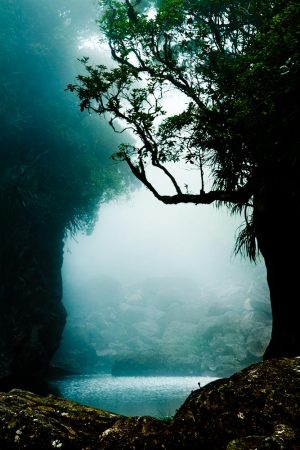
<point>245,243</point>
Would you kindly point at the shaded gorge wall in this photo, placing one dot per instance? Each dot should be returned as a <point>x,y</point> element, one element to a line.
<point>54,172</point>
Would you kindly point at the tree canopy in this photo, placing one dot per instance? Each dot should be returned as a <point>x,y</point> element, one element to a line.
<point>52,170</point>
<point>236,64</point>
<point>54,173</point>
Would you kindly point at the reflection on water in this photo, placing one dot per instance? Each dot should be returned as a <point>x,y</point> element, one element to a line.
<point>131,396</point>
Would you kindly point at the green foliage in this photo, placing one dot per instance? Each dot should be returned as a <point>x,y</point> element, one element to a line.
<point>54,163</point>
<point>236,64</point>
<point>245,241</point>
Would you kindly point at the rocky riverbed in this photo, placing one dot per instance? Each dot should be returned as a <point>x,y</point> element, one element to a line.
<point>257,408</point>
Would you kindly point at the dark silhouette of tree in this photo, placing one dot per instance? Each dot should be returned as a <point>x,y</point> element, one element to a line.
<point>237,65</point>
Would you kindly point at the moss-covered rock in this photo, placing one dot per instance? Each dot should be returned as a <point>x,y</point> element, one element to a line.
<point>34,422</point>
<point>258,408</point>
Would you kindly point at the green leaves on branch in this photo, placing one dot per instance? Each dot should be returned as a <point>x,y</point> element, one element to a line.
<point>232,67</point>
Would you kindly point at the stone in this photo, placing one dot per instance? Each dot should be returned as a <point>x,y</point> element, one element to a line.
<point>257,408</point>
<point>32,316</point>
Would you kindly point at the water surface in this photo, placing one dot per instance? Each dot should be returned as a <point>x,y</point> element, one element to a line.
<point>131,396</point>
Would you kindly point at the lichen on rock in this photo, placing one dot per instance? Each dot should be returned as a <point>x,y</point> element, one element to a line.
<point>257,408</point>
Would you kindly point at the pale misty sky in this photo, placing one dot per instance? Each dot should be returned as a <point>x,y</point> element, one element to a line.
<point>141,238</point>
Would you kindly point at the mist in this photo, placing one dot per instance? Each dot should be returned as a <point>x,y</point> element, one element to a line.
<point>155,283</point>
<point>125,321</point>
<point>147,288</point>
<point>156,290</point>
<point>137,238</point>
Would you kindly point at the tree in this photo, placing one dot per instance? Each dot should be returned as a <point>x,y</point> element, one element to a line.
<point>237,65</point>
<point>52,174</point>
<point>47,150</point>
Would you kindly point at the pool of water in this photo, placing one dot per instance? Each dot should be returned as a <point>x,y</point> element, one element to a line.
<point>131,396</point>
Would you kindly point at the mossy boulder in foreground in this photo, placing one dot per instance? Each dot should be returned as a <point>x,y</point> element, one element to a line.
<point>257,408</point>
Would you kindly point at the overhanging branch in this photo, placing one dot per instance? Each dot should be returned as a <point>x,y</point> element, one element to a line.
<point>241,195</point>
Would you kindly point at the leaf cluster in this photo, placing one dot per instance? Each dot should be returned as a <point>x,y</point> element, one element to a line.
<point>236,64</point>
<point>54,163</point>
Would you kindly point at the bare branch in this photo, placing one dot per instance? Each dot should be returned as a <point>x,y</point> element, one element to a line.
<point>169,175</point>
<point>241,195</point>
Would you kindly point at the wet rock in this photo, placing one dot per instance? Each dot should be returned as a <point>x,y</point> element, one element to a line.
<point>259,404</point>
<point>41,423</point>
<point>258,408</point>
<point>32,316</point>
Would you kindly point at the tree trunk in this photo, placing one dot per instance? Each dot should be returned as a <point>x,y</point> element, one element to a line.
<point>277,227</point>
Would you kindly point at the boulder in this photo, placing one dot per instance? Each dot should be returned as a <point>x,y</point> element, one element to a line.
<point>257,408</point>
<point>39,423</point>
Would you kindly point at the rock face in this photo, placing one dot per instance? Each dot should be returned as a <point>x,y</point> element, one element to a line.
<point>148,329</point>
<point>32,316</point>
<point>258,408</point>
<point>33,422</point>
